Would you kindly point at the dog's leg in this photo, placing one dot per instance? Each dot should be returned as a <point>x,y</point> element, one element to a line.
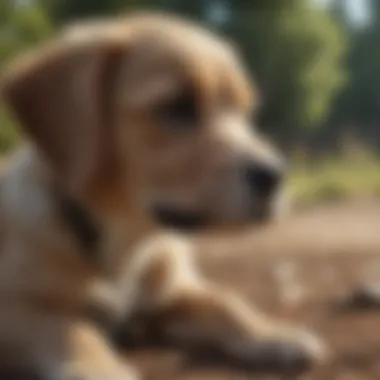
<point>58,348</point>
<point>192,310</point>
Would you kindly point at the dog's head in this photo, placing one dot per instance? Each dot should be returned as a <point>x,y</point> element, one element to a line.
<point>152,114</point>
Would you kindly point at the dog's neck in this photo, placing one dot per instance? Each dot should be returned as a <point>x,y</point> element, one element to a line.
<point>105,238</point>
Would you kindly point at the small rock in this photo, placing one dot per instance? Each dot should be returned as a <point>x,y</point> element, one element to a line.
<point>363,297</point>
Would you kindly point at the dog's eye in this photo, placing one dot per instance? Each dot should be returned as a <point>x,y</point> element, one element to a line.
<point>180,112</point>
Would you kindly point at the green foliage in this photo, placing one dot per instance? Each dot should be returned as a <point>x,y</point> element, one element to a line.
<point>360,104</point>
<point>355,175</point>
<point>9,133</point>
<point>296,54</point>
<point>63,11</point>
<point>357,109</point>
<point>22,25</point>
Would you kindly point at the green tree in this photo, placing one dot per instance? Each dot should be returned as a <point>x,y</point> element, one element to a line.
<point>358,107</point>
<point>296,54</point>
<point>22,25</point>
<point>63,11</point>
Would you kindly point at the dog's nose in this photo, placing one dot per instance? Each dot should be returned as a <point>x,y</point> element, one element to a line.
<point>263,180</point>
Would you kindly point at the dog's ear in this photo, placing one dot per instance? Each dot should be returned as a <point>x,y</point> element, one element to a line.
<point>64,97</point>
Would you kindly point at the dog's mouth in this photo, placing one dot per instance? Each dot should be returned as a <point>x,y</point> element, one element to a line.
<point>190,221</point>
<point>176,218</point>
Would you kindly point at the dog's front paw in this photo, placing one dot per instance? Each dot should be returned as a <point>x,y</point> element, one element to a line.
<point>293,352</point>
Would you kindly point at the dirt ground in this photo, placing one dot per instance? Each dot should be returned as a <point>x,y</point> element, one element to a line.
<point>298,269</point>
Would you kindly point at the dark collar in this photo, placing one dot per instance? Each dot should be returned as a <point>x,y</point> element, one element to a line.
<point>81,223</point>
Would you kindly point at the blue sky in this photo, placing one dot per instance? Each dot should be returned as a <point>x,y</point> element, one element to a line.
<point>357,9</point>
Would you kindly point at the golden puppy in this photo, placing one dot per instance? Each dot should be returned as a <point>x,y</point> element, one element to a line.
<point>135,125</point>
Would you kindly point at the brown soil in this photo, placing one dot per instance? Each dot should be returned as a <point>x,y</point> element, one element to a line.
<point>298,269</point>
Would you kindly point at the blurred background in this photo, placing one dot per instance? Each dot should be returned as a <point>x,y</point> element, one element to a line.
<point>315,63</point>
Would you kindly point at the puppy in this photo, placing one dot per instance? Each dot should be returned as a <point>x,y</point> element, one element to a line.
<point>134,126</point>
